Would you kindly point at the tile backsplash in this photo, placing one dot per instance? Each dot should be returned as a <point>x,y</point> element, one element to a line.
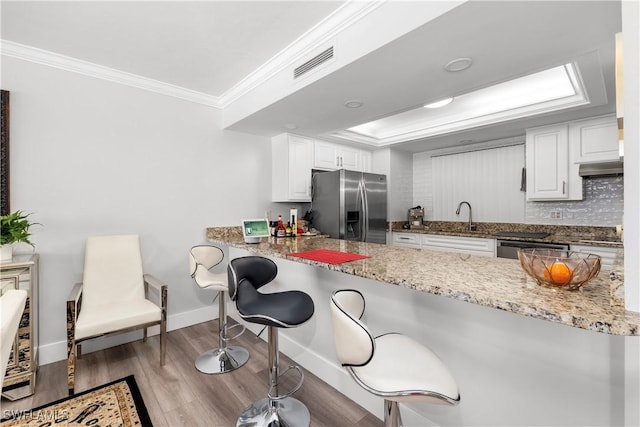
<point>603,205</point>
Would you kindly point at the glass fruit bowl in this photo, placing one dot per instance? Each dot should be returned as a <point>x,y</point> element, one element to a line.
<point>558,268</point>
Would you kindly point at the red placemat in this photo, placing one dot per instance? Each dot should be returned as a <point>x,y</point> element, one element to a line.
<point>328,256</point>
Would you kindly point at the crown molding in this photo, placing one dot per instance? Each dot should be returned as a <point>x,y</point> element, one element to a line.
<point>327,29</point>
<point>305,45</point>
<point>67,63</point>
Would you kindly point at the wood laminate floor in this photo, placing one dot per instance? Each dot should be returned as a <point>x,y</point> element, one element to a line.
<point>178,395</point>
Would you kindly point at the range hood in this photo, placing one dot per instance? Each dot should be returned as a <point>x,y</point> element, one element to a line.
<point>601,169</point>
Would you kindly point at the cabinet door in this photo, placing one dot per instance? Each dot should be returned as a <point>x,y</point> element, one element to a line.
<point>350,159</point>
<point>300,153</point>
<point>595,140</point>
<point>466,245</point>
<point>609,257</point>
<point>291,163</point>
<point>409,240</point>
<point>325,156</point>
<point>365,161</point>
<point>547,158</point>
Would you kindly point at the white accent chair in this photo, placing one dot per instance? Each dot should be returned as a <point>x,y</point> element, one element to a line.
<point>224,358</point>
<point>112,297</point>
<point>392,365</point>
<point>12,304</point>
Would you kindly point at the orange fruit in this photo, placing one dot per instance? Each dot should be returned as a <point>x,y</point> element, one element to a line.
<point>558,273</point>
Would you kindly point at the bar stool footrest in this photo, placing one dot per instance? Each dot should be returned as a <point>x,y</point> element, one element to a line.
<point>224,335</point>
<point>294,389</point>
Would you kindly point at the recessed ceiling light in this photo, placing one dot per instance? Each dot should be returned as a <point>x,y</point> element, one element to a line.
<point>458,64</point>
<point>553,89</point>
<point>354,103</point>
<point>291,126</point>
<point>440,103</point>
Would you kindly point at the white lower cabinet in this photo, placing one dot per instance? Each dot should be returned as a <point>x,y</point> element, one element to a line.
<point>437,242</point>
<point>409,240</point>
<point>608,256</point>
<point>468,245</point>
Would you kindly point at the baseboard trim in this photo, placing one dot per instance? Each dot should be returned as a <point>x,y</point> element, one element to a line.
<point>328,370</point>
<point>54,352</point>
<point>333,374</point>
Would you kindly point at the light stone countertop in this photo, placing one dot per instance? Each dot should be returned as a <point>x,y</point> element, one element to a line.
<point>491,282</point>
<point>582,235</point>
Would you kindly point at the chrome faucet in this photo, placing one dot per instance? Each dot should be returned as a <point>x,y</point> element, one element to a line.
<point>472,226</point>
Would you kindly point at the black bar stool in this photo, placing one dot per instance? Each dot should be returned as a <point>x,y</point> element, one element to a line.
<point>275,310</point>
<point>224,358</point>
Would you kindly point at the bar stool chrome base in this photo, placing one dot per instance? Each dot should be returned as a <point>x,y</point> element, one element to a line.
<point>287,412</point>
<point>221,360</point>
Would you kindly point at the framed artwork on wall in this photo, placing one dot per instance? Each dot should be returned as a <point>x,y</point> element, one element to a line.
<point>4,155</point>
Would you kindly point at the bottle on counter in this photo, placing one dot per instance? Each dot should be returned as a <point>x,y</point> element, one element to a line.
<point>281,230</point>
<point>288,230</point>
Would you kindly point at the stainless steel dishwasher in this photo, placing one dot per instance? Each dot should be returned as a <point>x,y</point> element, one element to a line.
<point>509,248</point>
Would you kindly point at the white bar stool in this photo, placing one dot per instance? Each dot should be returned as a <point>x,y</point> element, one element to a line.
<point>223,358</point>
<point>392,365</point>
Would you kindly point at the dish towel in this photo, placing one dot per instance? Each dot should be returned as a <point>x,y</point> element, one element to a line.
<point>328,256</point>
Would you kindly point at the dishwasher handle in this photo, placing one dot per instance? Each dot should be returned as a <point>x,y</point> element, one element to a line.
<point>509,248</point>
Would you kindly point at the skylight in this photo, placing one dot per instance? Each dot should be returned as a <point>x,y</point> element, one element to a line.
<point>549,90</point>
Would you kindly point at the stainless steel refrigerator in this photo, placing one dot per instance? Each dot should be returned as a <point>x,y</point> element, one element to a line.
<point>350,205</point>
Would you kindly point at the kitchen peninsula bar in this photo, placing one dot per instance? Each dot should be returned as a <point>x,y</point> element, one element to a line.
<point>497,283</point>
<point>523,354</point>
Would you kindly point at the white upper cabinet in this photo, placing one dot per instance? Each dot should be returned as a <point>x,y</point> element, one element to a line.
<point>365,161</point>
<point>325,156</point>
<point>552,173</point>
<point>291,163</point>
<point>554,154</point>
<point>349,158</point>
<point>595,140</point>
<point>329,156</point>
<point>547,156</point>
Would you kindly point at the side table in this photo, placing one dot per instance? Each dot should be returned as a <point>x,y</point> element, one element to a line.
<point>21,272</point>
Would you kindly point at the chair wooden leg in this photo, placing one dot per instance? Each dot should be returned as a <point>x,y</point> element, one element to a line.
<point>163,325</point>
<point>144,335</point>
<point>163,341</point>
<point>71,343</point>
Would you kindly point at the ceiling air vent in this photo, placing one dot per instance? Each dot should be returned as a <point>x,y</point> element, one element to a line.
<point>313,62</point>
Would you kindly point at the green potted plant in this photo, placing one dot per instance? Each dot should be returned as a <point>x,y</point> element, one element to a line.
<point>14,228</point>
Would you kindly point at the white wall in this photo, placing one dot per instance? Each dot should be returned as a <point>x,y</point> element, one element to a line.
<point>401,192</point>
<point>398,167</point>
<point>490,180</point>
<point>92,157</point>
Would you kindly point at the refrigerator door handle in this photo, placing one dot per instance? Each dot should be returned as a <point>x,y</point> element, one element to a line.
<point>365,211</point>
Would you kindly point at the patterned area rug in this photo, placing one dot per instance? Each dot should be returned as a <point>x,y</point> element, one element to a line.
<point>118,403</point>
